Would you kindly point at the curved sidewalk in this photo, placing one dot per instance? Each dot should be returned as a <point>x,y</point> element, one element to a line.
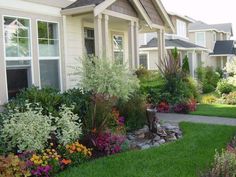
<point>176,118</point>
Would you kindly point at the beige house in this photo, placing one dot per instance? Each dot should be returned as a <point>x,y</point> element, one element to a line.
<point>41,39</point>
<point>149,50</point>
<point>216,38</point>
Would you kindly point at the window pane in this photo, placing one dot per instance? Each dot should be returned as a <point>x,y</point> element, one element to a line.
<point>42,30</point>
<point>119,56</point>
<point>23,32</point>
<point>53,30</point>
<point>43,47</point>
<point>118,42</point>
<point>11,46</point>
<point>53,48</point>
<point>143,60</point>
<point>9,20</point>
<point>24,49</point>
<point>49,73</point>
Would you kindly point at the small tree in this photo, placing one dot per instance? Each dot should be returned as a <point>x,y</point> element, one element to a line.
<point>108,82</point>
<point>185,66</point>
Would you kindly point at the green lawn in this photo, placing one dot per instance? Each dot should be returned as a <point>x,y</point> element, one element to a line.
<point>220,110</point>
<point>183,158</point>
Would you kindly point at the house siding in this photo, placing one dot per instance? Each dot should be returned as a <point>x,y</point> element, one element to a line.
<point>9,11</point>
<point>152,12</point>
<point>124,7</point>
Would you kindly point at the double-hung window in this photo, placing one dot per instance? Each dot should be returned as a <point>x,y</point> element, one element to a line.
<point>181,28</point>
<point>17,42</point>
<point>118,48</point>
<point>49,55</point>
<point>200,39</point>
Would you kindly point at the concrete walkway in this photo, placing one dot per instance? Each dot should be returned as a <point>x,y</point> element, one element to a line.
<point>176,118</point>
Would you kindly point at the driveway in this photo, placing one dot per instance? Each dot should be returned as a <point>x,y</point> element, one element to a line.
<point>176,118</point>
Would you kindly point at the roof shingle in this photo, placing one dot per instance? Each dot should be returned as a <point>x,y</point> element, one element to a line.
<point>224,48</point>
<point>80,3</point>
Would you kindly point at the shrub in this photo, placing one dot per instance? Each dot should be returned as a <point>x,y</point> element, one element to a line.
<point>31,130</point>
<point>68,126</point>
<point>207,88</point>
<point>28,130</point>
<point>208,99</point>
<point>185,107</point>
<point>185,66</point>
<point>163,107</point>
<point>48,98</point>
<point>224,165</point>
<point>134,111</point>
<point>109,143</point>
<point>142,72</point>
<point>107,81</point>
<point>208,77</point>
<point>12,166</point>
<point>223,87</point>
<point>229,99</point>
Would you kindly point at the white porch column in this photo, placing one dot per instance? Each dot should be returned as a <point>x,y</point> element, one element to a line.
<point>161,44</point>
<point>221,62</point>
<point>98,35</point>
<point>105,36</point>
<point>193,63</point>
<point>136,45</point>
<point>131,44</point>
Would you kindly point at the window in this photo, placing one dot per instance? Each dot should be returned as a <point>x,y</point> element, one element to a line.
<point>49,55</point>
<point>143,60</point>
<point>17,54</point>
<point>200,39</point>
<point>89,41</point>
<point>181,28</point>
<point>118,48</point>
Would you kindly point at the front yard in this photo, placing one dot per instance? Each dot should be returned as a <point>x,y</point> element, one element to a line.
<point>218,110</point>
<point>184,158</point>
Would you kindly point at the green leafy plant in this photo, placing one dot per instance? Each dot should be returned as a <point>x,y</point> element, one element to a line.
<point>223,87</point>
<point>228,99</point>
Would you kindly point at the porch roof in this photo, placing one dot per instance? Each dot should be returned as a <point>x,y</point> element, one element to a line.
<point>224,48</point>
<point>145,11</point>
<point>173,43</point>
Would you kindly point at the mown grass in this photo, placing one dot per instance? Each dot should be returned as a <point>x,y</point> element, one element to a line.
<point>184,158</point>
<point>219,110</point>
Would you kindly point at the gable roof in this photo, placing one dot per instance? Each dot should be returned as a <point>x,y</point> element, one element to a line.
<point>223,27</point>
<point>172,43</point>
<point>224,48</point>
<point>157,5</point>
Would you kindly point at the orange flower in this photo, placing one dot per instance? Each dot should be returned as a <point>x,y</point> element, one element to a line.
<point>94,130</point>
<point>66,162</point>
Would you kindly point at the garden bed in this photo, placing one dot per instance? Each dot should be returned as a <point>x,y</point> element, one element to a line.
<point>187,157</point>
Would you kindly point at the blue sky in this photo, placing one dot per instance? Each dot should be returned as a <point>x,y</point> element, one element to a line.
<point>209,11</point>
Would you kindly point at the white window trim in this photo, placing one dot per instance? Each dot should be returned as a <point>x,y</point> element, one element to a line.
<point>148,63</point>
<point>50,58</point>
<point>204,34</point>
<point>18,58</point>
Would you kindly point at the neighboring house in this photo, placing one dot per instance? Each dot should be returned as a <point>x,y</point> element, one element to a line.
<point>216,38</point>
<point>41,39</point>
<point>148,53</point>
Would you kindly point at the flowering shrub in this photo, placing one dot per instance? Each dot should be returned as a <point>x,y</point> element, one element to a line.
<point>185,107</point>
<point>223,87</point>
<point>228,99</point>
<point>117,124</point>
<point>163,107</point>
<point>28,130</point>
<point>12,166</point>
<point>68,126</point>
<point>76,154</point>
<point>109,143</point>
